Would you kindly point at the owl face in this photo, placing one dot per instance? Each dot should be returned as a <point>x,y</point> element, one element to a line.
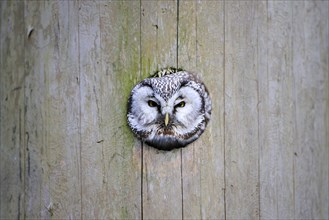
<point>169,111</point>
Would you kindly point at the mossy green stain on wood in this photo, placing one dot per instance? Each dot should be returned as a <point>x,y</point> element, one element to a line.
<point>126,70</point>
<point>124,213</point>
<point>128,52</point>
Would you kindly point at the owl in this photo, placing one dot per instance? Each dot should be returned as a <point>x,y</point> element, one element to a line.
<point>170,109</point>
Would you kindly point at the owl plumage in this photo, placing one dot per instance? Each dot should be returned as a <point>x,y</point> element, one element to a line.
<point>169,110</point>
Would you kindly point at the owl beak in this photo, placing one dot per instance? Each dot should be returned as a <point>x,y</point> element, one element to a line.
<point>166,119</point>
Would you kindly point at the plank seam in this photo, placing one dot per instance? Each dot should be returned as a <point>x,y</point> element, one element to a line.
<point>25,141</point>
<point>80,114</point>
<point>224,120</point>
<point>258,118</point>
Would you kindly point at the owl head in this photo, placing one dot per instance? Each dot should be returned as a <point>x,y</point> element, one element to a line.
<point>169,110</point>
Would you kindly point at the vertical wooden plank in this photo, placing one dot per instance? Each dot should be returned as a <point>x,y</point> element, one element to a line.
<point>267,206</point>
<point>162,195</point>
<point>159,35</point>
<point>11,109</point>
<point>52,111</point>
<point>120,59</point>
<point>310,69</point>
<point>276,113</point>
<point>36,67</point>
<point>241,116</point>
<point>109,64</point>
<point>92,176</point>
<point>63,140</point>
<point>201,49</point>
<point>187,35</point>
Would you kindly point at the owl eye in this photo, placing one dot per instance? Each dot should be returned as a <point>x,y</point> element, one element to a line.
<point>152,103</point>
<point>180,105</point>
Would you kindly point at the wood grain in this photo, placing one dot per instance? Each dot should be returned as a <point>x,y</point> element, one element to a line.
<point>120,49</point>
<point>12,161</point>
<point>111,163</point>
<point>241,116</point>
<point>52,111</point>
<point>277,128</point>
<point>66,71</point>
<point>310,68</point>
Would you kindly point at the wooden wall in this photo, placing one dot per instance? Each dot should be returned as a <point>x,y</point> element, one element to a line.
<point>67,68</point>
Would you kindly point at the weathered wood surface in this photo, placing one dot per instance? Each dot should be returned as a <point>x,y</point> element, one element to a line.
<point>12,140</point>
<point>241,118</point>
<point>110,156</point>
<point>66,70</point>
